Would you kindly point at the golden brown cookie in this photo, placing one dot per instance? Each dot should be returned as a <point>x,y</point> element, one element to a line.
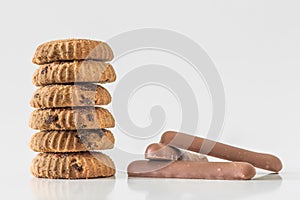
<point>71,119</point>
<point>72,49</point>
<point>56,96</point>
<point>72,141</point>
<point>75,71</point>
<point>72,165</point>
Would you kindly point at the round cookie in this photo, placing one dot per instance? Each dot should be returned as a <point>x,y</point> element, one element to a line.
<point>76,71</point>
<point>72,141</point>
<point>57,96</point>
<point>72,165</point>
<point>72,49</point>
<point>71,118</point>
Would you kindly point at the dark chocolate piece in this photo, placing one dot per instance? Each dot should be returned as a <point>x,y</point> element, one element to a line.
<point>157,151</point>
<point>191,170</point>
<point>219,150</point>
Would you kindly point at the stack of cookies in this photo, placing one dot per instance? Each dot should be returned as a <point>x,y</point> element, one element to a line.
<point>71,123</point>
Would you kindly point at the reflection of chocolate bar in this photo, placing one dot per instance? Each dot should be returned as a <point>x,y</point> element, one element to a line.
<point>179,188</point>
<point>164,152</point>
<point>191,169</point>
<point>219,150</point>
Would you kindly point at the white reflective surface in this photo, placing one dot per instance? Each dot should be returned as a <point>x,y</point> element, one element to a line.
<point>263,186</point>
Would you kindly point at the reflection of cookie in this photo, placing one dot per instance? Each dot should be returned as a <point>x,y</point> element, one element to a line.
<point>71,119</point>
<point>48,189</point>
<point>72,165</point>
<point>54,96</point>
<point>72,141</point>
<point>72,49</point>
<point>76,71</point>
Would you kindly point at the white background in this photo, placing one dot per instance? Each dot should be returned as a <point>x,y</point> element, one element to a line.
<point>254,44</point>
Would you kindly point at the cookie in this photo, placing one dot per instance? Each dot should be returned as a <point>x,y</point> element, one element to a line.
<point>56,96</point>
<point>75,71</point>
<point>72,49</point>
<point>72,165</point>
<point>72,141</point>
<point>71,119</point>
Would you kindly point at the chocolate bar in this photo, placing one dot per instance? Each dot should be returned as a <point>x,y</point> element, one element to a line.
<point>219,150</point>
<point>191,170</point>
<point>157,151</point>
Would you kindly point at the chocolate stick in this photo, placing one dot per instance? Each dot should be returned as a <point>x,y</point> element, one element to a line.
<point>191,170</point>
<point>157,151</point>
<point>223,151</point>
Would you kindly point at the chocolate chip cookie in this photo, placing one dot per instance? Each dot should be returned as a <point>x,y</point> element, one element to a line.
<point>87,71</point>
<point>72,141</point>
<point>57,96</point>
<point>72,49</point>
<point>72,165</point>
<point>71,119</point>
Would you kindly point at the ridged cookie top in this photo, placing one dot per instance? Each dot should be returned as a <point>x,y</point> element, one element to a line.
<point>76,71</point>
<point>72,141</point>
<point>72,165</point>
<point>56,96</point>
<point>72,49</point>
<point>71,119</point>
